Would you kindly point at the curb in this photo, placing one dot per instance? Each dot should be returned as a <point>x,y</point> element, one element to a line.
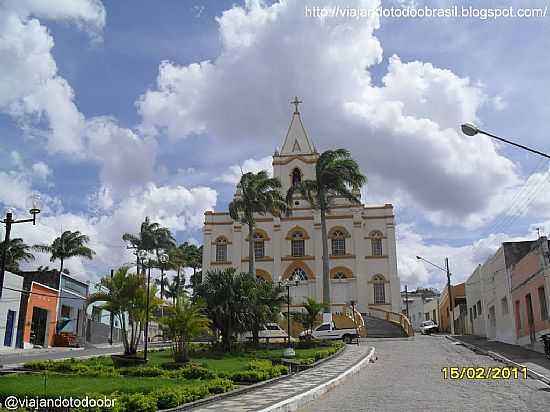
<point>295,402</point>
<point>500,358</point>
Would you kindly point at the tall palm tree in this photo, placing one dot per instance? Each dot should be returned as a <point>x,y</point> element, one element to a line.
<point>178,260</point>
<point>336,175</point>
<point>152,237</point>
<point>265,305</point>
<point>261,195</point>
<point>17,251</point>
<point>68,245</point>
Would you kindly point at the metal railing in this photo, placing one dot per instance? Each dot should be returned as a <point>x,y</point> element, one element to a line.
<point>393,317</point>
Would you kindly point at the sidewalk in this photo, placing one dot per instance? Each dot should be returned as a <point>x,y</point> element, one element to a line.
<point>298,389</point>
<point>534,361</point>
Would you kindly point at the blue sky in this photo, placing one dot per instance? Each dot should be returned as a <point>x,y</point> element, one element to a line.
<point>115,111</point>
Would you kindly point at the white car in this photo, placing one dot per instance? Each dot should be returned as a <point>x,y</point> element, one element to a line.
<point>428,326</point>
<point>328,330</point>
<point>271,332</point>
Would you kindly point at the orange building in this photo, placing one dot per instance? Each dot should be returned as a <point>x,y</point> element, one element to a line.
<point>459,297</point>
<point>41,316</point>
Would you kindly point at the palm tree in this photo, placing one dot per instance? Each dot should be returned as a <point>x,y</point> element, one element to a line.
<point>152,237</point>
<point>336,175</point>
<point>179,259</point>
<point>17,251</point>
<point>227,295</point>
<point>260,194</point>
<point>68,245</point>
<point>310,317</point>
<point>125,296</point>
<point>185,320</point>
<point>265,306</point>
<point>172,289</point>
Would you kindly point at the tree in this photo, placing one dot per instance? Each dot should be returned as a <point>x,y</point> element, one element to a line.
<point>265,306</point>
<point>336,175</point>
<point>68,245</point>
<point>125,296</point>
<point>185,320</point>
<point>227,295</point>
<point>152,237</point>
<point>260,194</point>
<point>17,251</point>
<point>310,317</point>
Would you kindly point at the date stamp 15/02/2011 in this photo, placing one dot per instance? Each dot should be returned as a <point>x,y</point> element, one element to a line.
<point>483,372</point>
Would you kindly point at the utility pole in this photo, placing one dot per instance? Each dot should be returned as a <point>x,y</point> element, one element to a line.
<point>451,306</point>
<point>112,316</point>
<point>407,300</point>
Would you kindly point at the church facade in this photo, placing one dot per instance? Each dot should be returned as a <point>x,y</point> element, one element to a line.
<point>362,249</point>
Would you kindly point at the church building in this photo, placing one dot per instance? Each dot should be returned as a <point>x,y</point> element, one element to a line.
<point>363,263</point>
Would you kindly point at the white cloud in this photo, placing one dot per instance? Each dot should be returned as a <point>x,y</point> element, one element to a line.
<point>404,133</point>
<point>41,170</point>
<point>31,90</point>
<point>233,174</point>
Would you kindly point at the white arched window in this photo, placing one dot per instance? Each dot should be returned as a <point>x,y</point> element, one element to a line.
<point>298,244</point>
<point>376,243</point>
<point>221,249</point>
<point>339,275</point>
<point>379,289</point>
<point>298,274</point>
<point>338,240</point>
<point>259,246</point>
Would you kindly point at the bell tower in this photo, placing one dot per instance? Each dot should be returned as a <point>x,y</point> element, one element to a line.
<point>296,160</point>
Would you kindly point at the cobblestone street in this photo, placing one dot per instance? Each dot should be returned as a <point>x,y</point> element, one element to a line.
<point>407,377</point>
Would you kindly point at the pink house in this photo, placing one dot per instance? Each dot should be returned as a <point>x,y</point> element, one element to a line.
<point>530,287</point>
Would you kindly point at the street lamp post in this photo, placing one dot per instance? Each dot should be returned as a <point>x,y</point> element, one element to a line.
<point>471,130</point>
<point>449,291</point>
<point>34,209</point>
<point>142,255</point>
<point>289,351</point>
<point>163,260</point>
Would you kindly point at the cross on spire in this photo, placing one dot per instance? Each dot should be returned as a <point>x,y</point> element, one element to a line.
<point>296,102</point>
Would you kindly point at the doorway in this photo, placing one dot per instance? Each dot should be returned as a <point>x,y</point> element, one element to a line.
<point>39,326</point>
<point>530,318</point>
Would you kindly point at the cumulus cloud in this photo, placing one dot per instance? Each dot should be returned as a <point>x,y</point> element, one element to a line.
<point>404,132</point>
<point>41,170</point>
<point>233,174</point>
<point>31,90</point>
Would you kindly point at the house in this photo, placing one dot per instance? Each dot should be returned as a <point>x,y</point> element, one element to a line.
<point>422,305</point>
<point>530,287</point>
<point>72,311</point>
<point>489,297</point>
<point>10,309</point>
<point>453,313</point>
<point>362,251</point>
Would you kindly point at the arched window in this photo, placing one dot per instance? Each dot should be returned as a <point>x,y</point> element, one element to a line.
<point>339,275</point>
<point>379,284</point>
<point>298,274</point>
<point>297,244</point>
<point>376,243</point>
<point>338,243</point>
<point>221,249</point>
<point>259,245</point>
<point>296,176</point>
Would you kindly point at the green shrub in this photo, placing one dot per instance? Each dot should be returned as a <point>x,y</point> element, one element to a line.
<point>194,393</point>
<point>136,402</point>
<point>191,371</point>
<point>144,372</point>
<point>249,376</point>
<point>219,385</point>
<point>167,397</point>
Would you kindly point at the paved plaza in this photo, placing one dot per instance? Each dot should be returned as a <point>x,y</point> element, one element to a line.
<point>407,377</point>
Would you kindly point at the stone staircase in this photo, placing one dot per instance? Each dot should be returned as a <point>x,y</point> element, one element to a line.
<point>379,328</point>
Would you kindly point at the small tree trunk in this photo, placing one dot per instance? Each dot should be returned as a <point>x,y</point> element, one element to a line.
<point>255,336</point>
<point>326,277</point>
